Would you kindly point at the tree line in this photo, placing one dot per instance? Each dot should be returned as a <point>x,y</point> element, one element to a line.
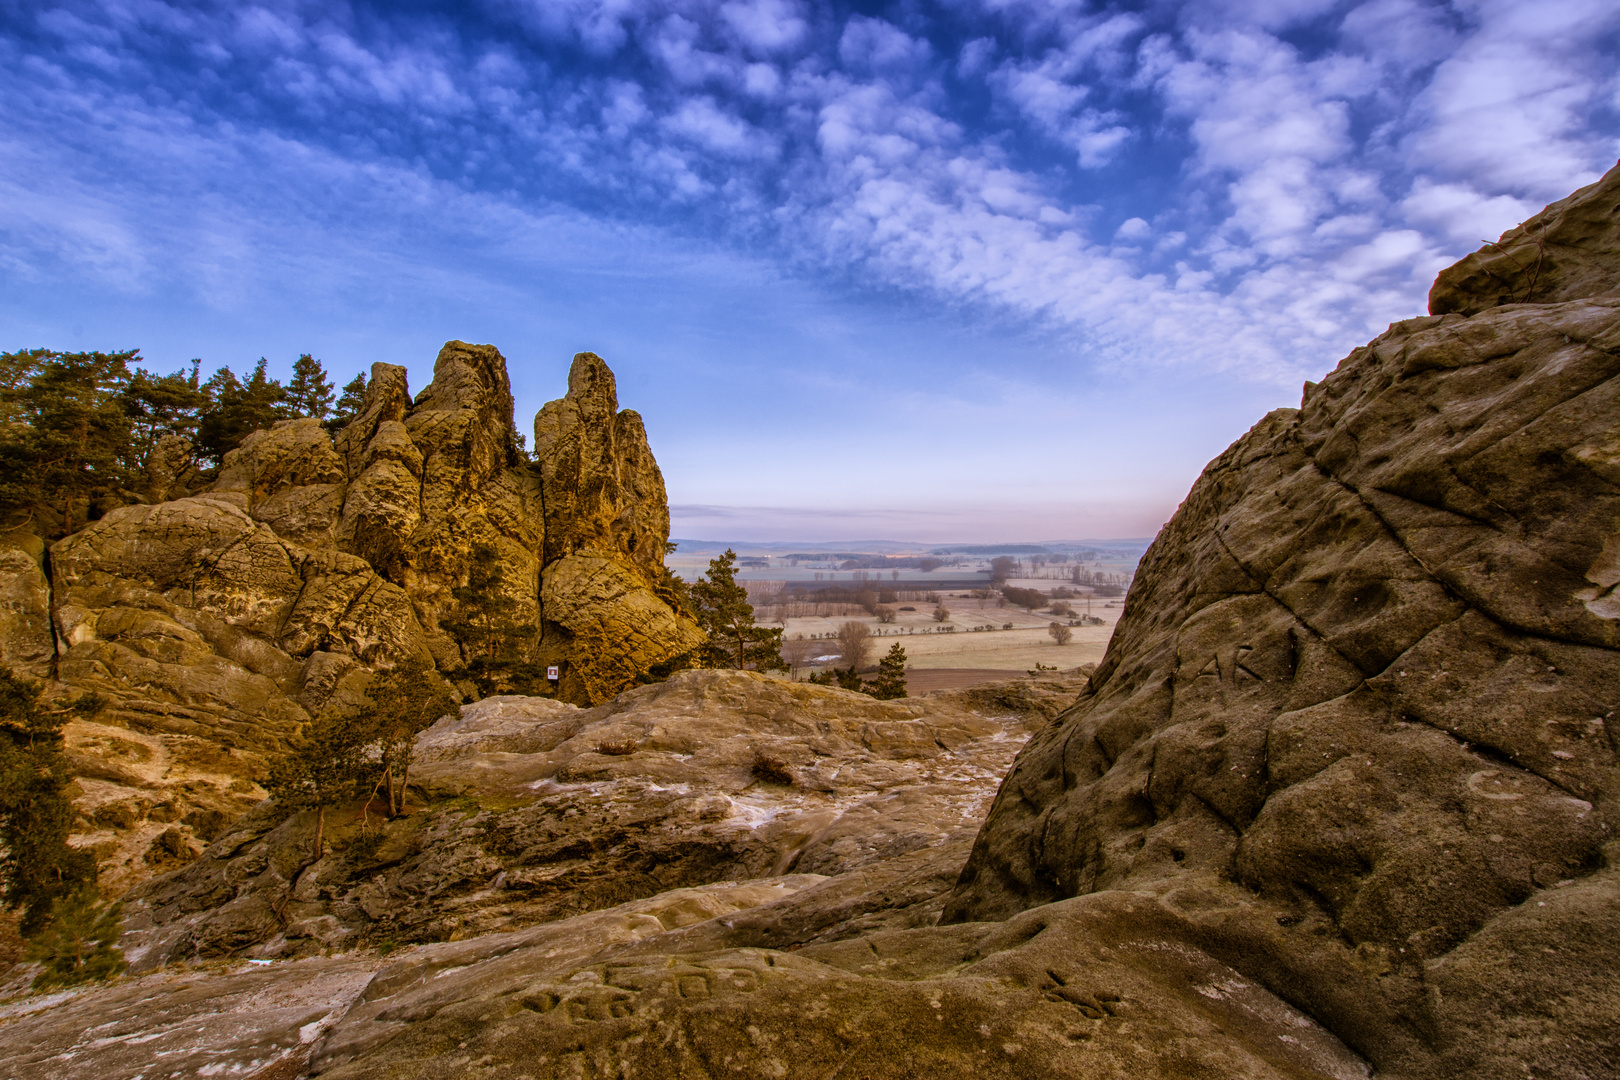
<point>79,430</point>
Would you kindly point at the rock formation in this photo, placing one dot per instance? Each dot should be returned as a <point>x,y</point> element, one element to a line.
<point>1360,707</point>
<point>538,809</point>
<point>218,623</point>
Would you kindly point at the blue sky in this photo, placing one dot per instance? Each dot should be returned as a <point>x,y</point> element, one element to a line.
<point>992,270</point>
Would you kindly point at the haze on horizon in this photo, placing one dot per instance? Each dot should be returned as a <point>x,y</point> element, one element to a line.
<point>964,271</point>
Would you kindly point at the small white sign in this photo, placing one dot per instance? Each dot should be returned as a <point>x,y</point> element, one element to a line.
<point>551,673</point>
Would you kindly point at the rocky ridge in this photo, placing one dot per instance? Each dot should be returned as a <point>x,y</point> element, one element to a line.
<point>536,810</point>
<point>217,623</point>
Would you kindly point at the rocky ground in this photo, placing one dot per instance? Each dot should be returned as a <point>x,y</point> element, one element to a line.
<point>529,810</point>
<point>1338,802</point>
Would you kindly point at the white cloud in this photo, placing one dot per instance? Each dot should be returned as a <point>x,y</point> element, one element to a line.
<point>1133,230</point>
<point>875,45</point>
<point>766,26</point>
<point>1294,222</point>
<point>1510,107</point>
<point>1464,216</point>
<point>704,122</point>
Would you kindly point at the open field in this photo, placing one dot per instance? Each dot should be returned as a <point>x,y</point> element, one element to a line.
<point>956,643</point>
<point>811,590</point>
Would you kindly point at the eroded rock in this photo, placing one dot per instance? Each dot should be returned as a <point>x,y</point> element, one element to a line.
<point>1369,671</point>
<point>234,614</point>
<point>531,810</point>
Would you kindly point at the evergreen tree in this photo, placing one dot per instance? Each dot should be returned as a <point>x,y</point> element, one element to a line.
<point>309,393</point>
<point>404,702</point>
<point>238,409</point>
<point>495,649</point>
<point>844,678</point>
<point>81,943</point>
<point>159,405</point>
<point>348,405</point>
<point>37,865</point>
<point>322,768</point>
<point>891,677</point>
<point>65,439</point>
<point>723,611</point>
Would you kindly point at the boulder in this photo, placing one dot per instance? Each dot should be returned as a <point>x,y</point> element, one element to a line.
<point>1566,252</point>
<point>1362,694</point>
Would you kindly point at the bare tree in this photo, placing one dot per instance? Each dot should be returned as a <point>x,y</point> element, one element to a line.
<point>1062,608</point>
<point>941,614</point>
<point>884,613</point>
<point>1060,633</point>
<point>797,651</point>
<point>854,643</point>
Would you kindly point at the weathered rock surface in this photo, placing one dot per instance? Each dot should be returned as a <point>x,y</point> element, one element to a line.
<point>26,644</point>
<point>537,810</point>
<point>606,524</point>
<point>1363,694</point>
<point>826,960</point>
<point>216,624</point>
<point>1566,252</point>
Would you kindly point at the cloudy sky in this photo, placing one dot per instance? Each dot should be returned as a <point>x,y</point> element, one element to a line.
<point>966,269</point>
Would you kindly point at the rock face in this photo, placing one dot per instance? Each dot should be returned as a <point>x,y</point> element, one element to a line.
<point>217,624</point>
<point>606,524</point>
<point>825,961</point>
<point>1566,252</point>
<point>1362,696</point>
<point>538,810</point>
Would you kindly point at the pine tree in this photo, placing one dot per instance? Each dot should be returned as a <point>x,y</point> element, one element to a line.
<point>891,679</point>
<point>495,649</point>
<point>238,409</point>
<point>81,943</point>
<point>404,702</point>
<point>323,767</point>
<point>348,405</point>
<point>159,405</point>
<point>66,440</point>
<point>309,393</point>
<point>723,611</point>
<point>37,865</point>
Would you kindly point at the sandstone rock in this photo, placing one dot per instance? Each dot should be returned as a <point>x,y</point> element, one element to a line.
<point>605,495</point>
<point>387,399</point>
<point>1363,692</point>
<point>614,625</point>
<point>26,645</point>
<point>233,615</point>
<point>1082,989</point>
<point>1566,252</point>
<point>169,469</point>
<point>531,810</point>
<point>292,453</point>
<point>244,1020</point>
<point>606,523</point>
